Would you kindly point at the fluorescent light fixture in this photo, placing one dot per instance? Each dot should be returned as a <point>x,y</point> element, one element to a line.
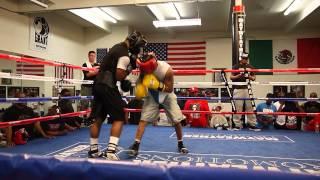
<point>103,15</point>
<point>310,8</point>
<point>169,7</point>
<point>89,16</point>
<point>173,10</point>
<point>292,7</point>
<point>155,10</point>
<point>178,22</point>
<point>113,12</point>
<point>39,3</point>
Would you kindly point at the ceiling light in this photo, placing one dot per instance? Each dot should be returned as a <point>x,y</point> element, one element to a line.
<point>292,7</point>
<point>155,10</point>
<point>173,10</point>
<point>39,3</point>
<point>178,22</point>
<point>113,12</point>
<point>103,15</point>
<point>89,16</point>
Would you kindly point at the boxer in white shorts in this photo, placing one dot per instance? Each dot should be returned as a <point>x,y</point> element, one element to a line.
<point>156,87</point>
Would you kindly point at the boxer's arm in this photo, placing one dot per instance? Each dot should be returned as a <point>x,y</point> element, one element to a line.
<point>122,71</point>
<point>168,81</point>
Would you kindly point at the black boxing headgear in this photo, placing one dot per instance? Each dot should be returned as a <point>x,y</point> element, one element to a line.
<point>136,41</point>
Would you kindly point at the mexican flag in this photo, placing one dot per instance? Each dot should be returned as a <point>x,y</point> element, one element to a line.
<point>285,53</point>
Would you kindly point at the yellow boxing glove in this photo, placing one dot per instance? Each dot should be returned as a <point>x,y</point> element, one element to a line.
<point>141,91</point>
<point>151,82</point>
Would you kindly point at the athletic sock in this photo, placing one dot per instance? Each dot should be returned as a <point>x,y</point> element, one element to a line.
<point>113,143</point>
<point>93,141</point>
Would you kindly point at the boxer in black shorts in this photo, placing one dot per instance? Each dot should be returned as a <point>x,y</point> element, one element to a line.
<point>116,65</point>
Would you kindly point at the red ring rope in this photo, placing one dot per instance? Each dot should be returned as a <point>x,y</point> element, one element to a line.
<point>46,118</point>
<point>52,63</point>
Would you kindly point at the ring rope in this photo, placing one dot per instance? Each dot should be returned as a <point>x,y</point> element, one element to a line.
<point>74,114</point>
<point>42,78</point>
<point>54,63</point>
<point>242,113</point>
<point>38,99</point>
<point>46,118</point>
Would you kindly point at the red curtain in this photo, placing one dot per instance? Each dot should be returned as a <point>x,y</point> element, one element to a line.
<point>308,53</point>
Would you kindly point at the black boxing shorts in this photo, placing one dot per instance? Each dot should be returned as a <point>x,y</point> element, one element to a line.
<point>107,101</point>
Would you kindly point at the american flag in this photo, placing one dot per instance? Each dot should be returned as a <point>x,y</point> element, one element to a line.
<point>29,69</point>
<point>63,72</point>
<point>181,55</point>
<point>101,53</point>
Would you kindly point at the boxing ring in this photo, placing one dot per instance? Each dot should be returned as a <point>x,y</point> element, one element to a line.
<point>213,154</point>
<point>278,154</point>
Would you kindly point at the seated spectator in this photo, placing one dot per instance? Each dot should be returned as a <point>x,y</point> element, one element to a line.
<point>19,134</point>
<point>289,121</point>
<point>65,106</point>
<point>197,119</point>
<point>266,121</point>
<point>134,117</point>
<point>218,121</point>
<point>182,93</point>
<point>311,107</point>
<point>279,102</point>
<point>312,124</point>
<point>55,127</point>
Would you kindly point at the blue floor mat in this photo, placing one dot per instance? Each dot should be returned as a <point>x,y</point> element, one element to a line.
<point>275,150</point>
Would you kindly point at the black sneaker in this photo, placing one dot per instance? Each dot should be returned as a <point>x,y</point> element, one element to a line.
<point>236,128</point>
<point>254,128</point>
<point>94,151</point>
<point>111,155</point>
<point>182,149</point>
<point>134,149</point>
<point>225,127</point>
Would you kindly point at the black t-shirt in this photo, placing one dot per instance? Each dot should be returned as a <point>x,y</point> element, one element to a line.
<point>85,77</point>
<point>110,62</point>
<point>65,106</point>
<point>311,107</point>
<point>242,78</point>
<point>19,112</point>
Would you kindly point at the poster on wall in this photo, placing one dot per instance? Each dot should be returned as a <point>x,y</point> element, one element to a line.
<point>3,91</point>
<point>298,90</point>
<point>31,91</point>
<point>39,33</point>
<point>14,90</point>
<point>280,91</point>
<point>6,81</point>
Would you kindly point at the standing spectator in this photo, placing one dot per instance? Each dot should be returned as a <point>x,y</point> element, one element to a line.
<point>291,122</point>
<point>264,120</point>
<point>197,119</point>
<point>86,89</point>
<point>241,91</point>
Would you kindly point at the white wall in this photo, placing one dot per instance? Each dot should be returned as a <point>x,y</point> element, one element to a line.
<point>66,44</point>
<point>95,38</point>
